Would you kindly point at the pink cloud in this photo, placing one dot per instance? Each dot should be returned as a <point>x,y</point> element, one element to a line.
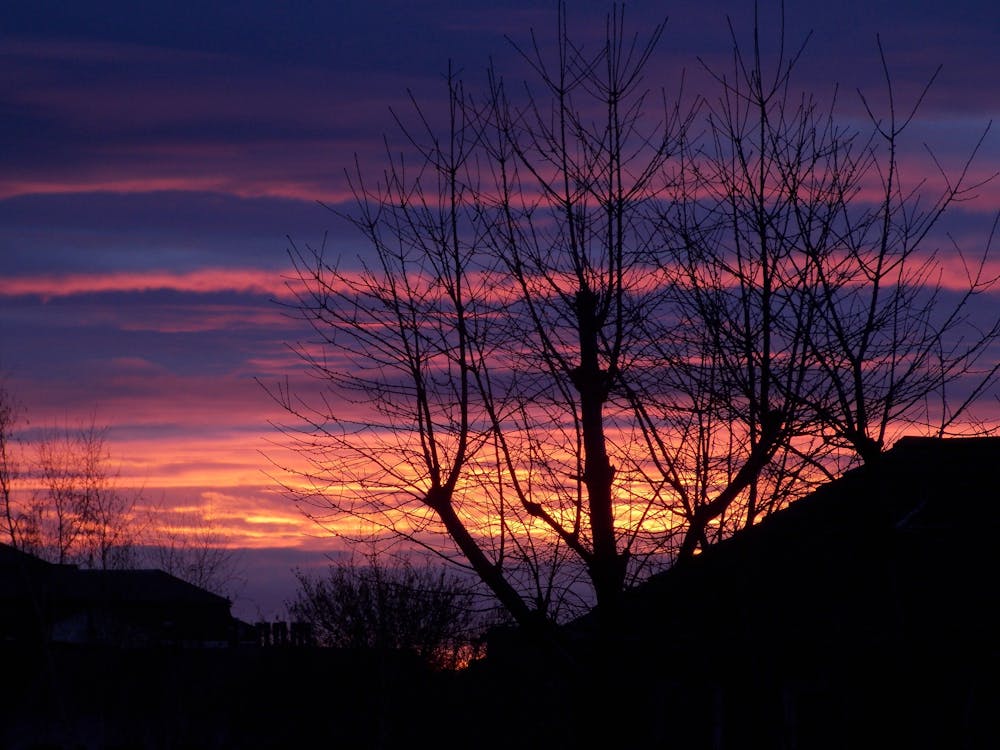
<point>121,179</point>
<point>201,318</point>
<point>201,281</point>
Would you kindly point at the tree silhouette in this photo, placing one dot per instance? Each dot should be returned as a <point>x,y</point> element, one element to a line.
<point>62,501</point>
<point>60,494</point>
<point>9,416</point>
<point>192,547</point>
<point>389,607</point>
<point>594,333</point>
<point>76,512</point>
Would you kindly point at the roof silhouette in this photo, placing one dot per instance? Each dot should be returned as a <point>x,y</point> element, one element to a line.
<point>867,609</point>
<point>52,602</point>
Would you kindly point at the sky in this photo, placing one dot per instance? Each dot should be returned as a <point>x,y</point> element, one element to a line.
<point>155,159</point>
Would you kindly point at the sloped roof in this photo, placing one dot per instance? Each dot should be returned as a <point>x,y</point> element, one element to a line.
<point>133,587</point>
<point>19,571</point>
<point>922,523</point>
<point>11,557</point>
<point>921,483</point>
<point>105,607</point>
<point>69,583</point>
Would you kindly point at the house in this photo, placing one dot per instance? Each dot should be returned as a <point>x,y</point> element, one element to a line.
<point>121,659</point>
<point>46,602</point>
<point>864,615</point>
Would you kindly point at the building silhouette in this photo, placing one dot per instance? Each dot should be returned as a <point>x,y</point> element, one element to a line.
<point>42,601</point>
<point>866,614</point>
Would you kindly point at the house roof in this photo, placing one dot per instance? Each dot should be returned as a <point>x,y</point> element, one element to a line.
<point>19,571</point>
<point>68,583</point>
<point>920,484</point>
<point>11,557</point>
<point>922,524</point>
<point>132,587</point>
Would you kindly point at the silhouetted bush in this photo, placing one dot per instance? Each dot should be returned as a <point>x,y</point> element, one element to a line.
<point>402,607</point>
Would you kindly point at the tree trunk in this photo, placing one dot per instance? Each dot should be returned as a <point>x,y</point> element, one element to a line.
<point>591,382</point>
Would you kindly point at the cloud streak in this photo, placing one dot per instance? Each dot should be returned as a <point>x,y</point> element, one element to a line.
<point>201,281</point>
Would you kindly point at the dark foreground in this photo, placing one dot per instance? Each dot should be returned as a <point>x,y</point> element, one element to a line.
<point>234,698</point>
<point>863,616</point>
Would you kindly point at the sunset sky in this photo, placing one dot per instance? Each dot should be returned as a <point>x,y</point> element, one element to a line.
<point>154,157</point>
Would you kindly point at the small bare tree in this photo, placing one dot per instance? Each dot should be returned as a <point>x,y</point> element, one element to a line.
<point>8,463</point>
<point>61,498</point>
<point>78,513</point>
<point>62,501</point>
<point>422,610</point>
<point>191,547</point>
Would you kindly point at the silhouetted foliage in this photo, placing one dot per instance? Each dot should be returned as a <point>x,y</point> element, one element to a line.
<point>417,609</point>
<point>596,330</point>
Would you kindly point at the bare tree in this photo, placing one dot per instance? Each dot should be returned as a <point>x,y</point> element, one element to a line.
<point>423,610</point>
<point>595,334</point>
<point>78,513</point>
<point>62,501</point>
<point>894,352</point>
<point>190,546</point>
<point>830,301</point>
<point>489,333</point>
<point>61,498</point>
<point>8,462</point>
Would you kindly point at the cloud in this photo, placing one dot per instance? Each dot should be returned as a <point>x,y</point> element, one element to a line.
<point>202,281</point>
